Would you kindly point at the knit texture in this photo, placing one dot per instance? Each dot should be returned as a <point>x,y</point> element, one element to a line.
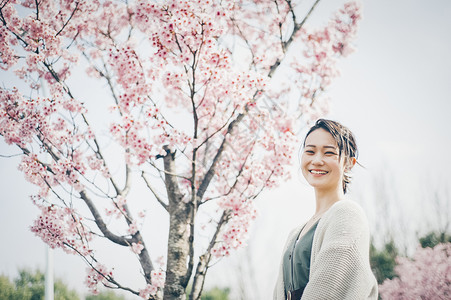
<point>339,265</point>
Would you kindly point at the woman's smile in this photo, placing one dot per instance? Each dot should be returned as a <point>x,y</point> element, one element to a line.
<point>317,172</point>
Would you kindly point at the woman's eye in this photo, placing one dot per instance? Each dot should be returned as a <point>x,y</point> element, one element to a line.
<point>330,153</point>
<point>309,152</point>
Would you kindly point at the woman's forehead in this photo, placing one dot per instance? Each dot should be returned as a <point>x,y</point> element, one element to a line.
<point>320,138</point>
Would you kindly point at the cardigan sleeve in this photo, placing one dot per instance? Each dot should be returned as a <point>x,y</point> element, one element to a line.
<point>340,257</point>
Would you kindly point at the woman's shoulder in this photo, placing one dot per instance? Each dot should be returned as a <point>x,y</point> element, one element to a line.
<point>344,218</point>
<point>345,208</point>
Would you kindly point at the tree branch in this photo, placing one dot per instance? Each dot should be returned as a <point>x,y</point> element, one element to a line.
<point>108,278</point>
<point>211,171</point>
<point>126,189</point>
<point>159,199</point>
<point>204,260</point>
<point>70,17</point>
<point>100,224</point>
<point>144,257</point>
<point>240,171</point>
<point>296,28</point>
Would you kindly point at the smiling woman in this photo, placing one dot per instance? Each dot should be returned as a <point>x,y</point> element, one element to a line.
<point>328,257</point>
<point>326,143</point>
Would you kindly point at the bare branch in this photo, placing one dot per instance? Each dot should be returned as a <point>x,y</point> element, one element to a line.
<point>236,177</point>
<point>243,36</point>
<point>296,28</point>
<point>204,260</point>
<point>124,192</point>
<point>100,224</point>
<point>12,155</point>
<point>99,153</point>
<point>280,24</point>
<point>70,17</point>
<point>159,199</point>
<point>108,278</point>
<point>167,172</point>
<point>293,15</point>
<point>218,130</point>
<point>211,171</point>
<point>37,9</point>
<point>144,258</point>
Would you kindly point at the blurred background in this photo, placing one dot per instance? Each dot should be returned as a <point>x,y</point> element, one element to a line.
<point>394,93</point>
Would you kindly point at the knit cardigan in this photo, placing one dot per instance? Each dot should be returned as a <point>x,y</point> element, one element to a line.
<point>339,264</point>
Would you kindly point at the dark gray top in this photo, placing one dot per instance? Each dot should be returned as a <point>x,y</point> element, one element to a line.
<point>296,262</point>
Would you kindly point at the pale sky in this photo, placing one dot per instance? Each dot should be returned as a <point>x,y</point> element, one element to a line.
<point>394,94</point>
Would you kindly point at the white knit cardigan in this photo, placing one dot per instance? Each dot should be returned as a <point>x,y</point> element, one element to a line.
<point>339,264</point>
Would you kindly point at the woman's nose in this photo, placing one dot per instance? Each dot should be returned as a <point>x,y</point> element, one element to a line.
<point>317,159</point>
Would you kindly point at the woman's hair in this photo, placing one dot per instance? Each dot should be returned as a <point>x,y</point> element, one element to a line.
<point>345,141</point>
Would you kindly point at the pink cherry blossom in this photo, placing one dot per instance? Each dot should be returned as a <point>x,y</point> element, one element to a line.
<point>98,274</point>
<point>426,276</point>
<point>62,228</point>
<point>137,247</point>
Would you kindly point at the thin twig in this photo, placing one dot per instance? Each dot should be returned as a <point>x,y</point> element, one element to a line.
<point>159,199</point>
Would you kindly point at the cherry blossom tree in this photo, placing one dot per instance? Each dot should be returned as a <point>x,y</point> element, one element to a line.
<point>205,100</point>
<point>426,276</point>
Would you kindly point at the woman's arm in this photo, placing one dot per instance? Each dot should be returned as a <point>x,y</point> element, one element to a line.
<point>340,256</point>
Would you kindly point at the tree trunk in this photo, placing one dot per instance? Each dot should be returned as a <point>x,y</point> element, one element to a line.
<point>179,233</point>
<point>178,252</point>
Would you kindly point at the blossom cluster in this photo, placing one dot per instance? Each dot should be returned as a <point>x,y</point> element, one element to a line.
<point>133,134</point>
<point>118,207</point>
<point>62,228</point>
<point>321,49</point>
<point>158,279</point>
<point>129,75</point>
<point>236,231</point>
<point>137,248</point>
<point>26,121</point>
<point>263,27</point>
<point>42,36</point>
<point>98,274</point>
<point>426,276</point>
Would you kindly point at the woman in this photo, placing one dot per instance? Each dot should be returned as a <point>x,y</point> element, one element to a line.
<point>328,257</point>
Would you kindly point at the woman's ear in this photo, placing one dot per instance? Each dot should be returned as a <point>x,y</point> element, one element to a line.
<point>350,163</point>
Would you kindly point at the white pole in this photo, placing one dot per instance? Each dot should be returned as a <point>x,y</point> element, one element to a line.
<point>49,274</point>
<point>49,286</point>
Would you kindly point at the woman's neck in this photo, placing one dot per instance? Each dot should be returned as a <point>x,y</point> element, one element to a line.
<point>325,199</point>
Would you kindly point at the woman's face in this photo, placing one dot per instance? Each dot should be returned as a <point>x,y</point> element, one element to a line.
<point>320,163</point>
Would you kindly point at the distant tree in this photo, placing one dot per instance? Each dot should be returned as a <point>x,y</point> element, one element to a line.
<point>6,288</point>
<point>31,286</point>
<point>216,294</point>
<point>105,295</point>
<point>426,276</point>
<point>432,239</point>
<point>383,261</point>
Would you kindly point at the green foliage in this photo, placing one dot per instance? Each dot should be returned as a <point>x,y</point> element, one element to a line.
<point>6,288</point>
<point>383,261</point>
<point>31,286</point>
<point>108,295</point>
<point>432,239</point>
<point>212,294</point>
<point>216,294</point>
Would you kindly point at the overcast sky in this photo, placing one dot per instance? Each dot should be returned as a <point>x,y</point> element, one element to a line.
<point>394,93</point>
